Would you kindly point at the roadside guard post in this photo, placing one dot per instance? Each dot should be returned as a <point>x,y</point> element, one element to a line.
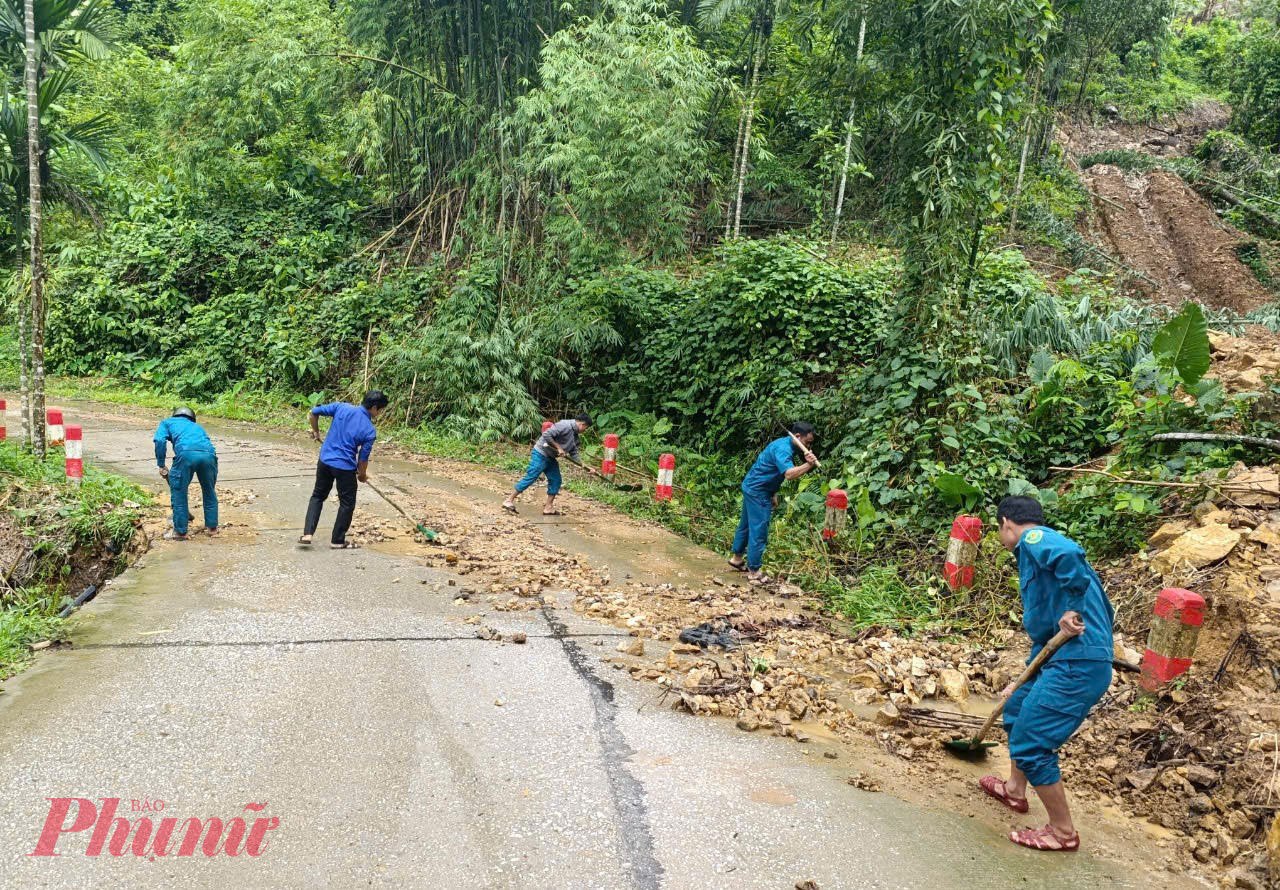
<point>3,413</point>
<point>74,449</point>
<point>53,424</point>
<point>962,552</point>
<point>666,477</point>
<point>609,464</point>
<point>1175,627</point>
<point>837,513</point>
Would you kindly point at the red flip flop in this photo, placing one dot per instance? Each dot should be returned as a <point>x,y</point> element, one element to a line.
<point>1045,839</point>
<point>994,787</point>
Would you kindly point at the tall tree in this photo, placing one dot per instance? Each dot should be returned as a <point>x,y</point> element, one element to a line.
<point>35,154</point>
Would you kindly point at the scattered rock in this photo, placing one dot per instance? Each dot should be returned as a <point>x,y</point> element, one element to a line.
<point>635,647</point>
<point>806,885</point>
<point>748,723</point>
<point>830,755</point>
<point>1142,779</point>
<point>519,637</point>
<point>1240,825</point>
<point>1201,776</point>
<point>955,685</point>
<point>1196,549</point>
<point>1217,517</point>
<point>1267,534</point>
<point>43,644</point>
<point>1255,487</point>
<point>1168,532</point>
<point>863,782</point>
<point>888,715</point>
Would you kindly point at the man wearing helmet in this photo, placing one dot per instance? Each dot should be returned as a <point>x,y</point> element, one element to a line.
<point>193,455</point>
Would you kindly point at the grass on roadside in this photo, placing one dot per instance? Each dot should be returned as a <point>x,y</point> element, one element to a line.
<point>50,530</point>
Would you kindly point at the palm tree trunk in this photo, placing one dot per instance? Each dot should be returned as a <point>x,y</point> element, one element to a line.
<point>24,359</point>
<point>746,134</point>
<point>848,140</point>
<point>37,218</point>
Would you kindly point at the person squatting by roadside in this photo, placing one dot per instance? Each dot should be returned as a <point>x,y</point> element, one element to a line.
<point>775,465</point>
<point>560,439</point>
<point>1059,591</point>
<point>193,455</point>
<point>344,460</point>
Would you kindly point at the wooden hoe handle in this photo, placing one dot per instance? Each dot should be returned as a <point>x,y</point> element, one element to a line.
<point>1049,648</point>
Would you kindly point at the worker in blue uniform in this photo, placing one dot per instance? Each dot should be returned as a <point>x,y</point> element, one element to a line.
<point>193,455</point>
<point>344,461</point>
<point>775,465</point>
<point>1059,591</point>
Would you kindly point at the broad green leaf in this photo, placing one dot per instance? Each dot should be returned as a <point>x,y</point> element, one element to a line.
<point>1183,344</point>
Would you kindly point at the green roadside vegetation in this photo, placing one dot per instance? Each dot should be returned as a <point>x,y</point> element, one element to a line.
<point>55,538</point>
<point>697,221</point>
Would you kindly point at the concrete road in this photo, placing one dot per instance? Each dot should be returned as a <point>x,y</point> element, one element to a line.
<point>397,750</point>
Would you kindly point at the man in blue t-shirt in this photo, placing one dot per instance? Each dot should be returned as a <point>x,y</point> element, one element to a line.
<point>193,456</point>
<point>1059,592</point>
<point>344,459</point>
<point>775,465</point>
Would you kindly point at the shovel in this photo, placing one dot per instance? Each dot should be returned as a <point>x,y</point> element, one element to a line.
<point>426,532</point>
<point>976,744</point>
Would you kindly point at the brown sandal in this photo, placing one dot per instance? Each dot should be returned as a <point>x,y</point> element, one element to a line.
<point>1045,839</point>
<point>994,787</point>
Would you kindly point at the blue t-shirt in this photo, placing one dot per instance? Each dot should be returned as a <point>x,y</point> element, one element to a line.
<point>1054,577</point>
<point>350,437</point>
<point>769,471</point>
<point>186,436</point>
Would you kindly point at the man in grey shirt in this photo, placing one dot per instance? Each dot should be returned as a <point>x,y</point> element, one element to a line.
<point>559,439</point>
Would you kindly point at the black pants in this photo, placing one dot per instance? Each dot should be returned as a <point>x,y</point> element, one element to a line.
<point>325,477</point>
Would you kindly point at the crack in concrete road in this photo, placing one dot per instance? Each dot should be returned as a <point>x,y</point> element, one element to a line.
<point>202,644</point>
<point>630,808</point>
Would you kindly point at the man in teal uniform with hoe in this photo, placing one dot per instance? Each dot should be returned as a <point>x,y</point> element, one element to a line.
<point>1059,592</point>
<point>193,455</point>
<point>775,465</point>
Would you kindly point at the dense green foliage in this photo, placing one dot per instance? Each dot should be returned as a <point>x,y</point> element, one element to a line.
<point>499,211</point>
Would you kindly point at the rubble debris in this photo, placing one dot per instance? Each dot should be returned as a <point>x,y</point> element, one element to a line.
<point>863,782</point>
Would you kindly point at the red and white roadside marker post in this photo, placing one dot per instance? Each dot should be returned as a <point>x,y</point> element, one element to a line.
<point>666,477</point>
<point>1171,645</point>
<point>73,446</point>
<point>962,552</point>
<point>609,464</point>
<point>55,433</point>
<point>837,513</point>
<point>3,414</point>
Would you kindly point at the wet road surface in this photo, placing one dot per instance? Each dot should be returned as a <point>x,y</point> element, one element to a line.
<point>343,691</point>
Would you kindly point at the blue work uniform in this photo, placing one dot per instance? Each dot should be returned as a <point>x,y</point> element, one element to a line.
<point>348,443</point>
<point>193,455</point>
<point>1054,577</point>
<point>761,483</point>
<point>351,435</point>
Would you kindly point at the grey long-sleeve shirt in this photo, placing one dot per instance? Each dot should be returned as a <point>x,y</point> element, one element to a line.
<point>564,434</point>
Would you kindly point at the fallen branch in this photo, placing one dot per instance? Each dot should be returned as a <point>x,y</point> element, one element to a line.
<point>1273,444</point>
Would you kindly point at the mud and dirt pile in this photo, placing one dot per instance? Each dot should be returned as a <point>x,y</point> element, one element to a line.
<point>1171,137</point>
<point>1156,224</point>
<point>1246,363</point>
<point>1200,758</point>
